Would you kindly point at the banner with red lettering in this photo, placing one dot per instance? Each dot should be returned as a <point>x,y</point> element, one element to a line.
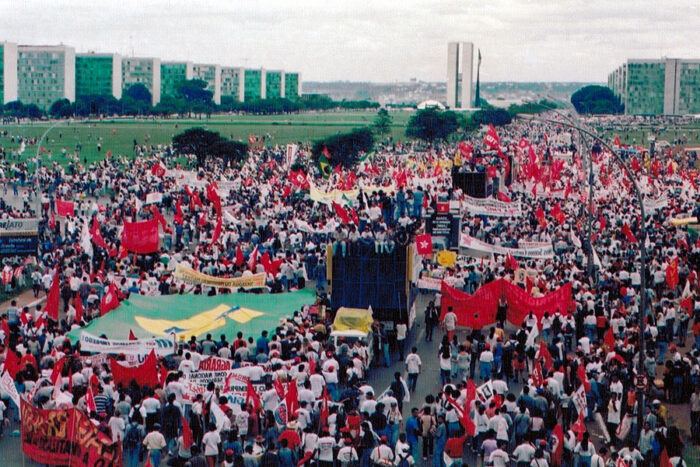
<point>66,437</point>
<point>479,310</point>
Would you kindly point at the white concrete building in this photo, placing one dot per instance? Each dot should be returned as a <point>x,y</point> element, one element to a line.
<point>460,68</point>
<point>8,72</point>
<point>143,70</point>
<point>45,74</point>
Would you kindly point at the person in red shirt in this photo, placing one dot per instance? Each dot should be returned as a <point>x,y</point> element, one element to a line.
<point>455,448</point>
<point>291,435</point>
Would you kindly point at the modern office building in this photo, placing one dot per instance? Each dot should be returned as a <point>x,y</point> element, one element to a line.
<point>142,70</point>
<point>172,74</point>
<point>274,84</point>
<point>232,83</point>
<point>667,86</point>
<point>211,74</point>
<point>8,72</point>
<point>98,75</point>
<point>45,74</point>
<point>254,83</point>
<point>292,85</point>
<point>460,64</point>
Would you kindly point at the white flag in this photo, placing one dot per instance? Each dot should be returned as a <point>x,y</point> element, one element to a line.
<point>7,385</point>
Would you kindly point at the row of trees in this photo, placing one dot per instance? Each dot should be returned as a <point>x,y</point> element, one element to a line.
<point>191,97</point>
<point>204,143</point>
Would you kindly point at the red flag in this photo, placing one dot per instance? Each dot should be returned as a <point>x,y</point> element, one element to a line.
<point>609,339</point>
<point>145,374</point>
<point>109,300</point>
<point>96,235</point>
<point>324,407</point>
<point>250,394</point>
<point>558,214</point>
<point>492,140</point>
<point>503,197</point>
<point>672,274</point>
<point>664,460</point>
<point>141,237</point>
<point>539,214</point>
<point>253,259</point>
<point>148,461</point>
<point>635,164</point>
<point>466,150</point>
<point>65,208</point>
<point>292,398</point>
<point>239,256</point>
<point>203,219</point>
<point>326,153</point>
<point>558,433</point>
<point>543,352</point>
<point>52,222</point>
<point>342,213</point>
<point>157,170</point>
<point>279,387</point>
<point>537,377</point>
<point>161,220</point>
<point>463,414</point>
<point>217,231</point>
<point>471,390</point>
<point>442,207</point>
<point>669,168</point>
<point>90,400</point>
<point>628,233</point>
<point>78,302</point>
<point>581,374</point>
<point>12,365</point>
<point>53,297</point>
<point>132,337</point>
<point>299,179</point>
<point>617,142</point>
<point>187,438</point>
<point>57,370</point>
<point>511,262</point>
<point>579,427</point>
<point>424,244</point>
<point>178,212</point>
<point>567,191</point>
<point>601,219</point>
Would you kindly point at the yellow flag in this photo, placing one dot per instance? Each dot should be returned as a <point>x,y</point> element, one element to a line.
<point>447,258</point>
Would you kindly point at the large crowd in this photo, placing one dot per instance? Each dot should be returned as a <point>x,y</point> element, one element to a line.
<point>558,390</point>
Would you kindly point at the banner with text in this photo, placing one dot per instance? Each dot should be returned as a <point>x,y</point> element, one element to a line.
<point>474,247</point>
<point>66,437</point>
<point>491,207</point>
<point>163,346</point>
<point>190,276</point>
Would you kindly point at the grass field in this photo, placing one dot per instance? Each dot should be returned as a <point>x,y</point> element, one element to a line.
<point>637,136</point>
<point>118,135</point>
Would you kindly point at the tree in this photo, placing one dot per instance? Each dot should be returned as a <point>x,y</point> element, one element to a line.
<point>432,124</point>
<point>344,148</point>
<point>382,122</point>
<point>19,110</point>
<point>85,106</point>
<point>495,117</point>
<point>596,100</point>
<point>139,92</point>
<point>230,151</point>
<point>62,108</point>
<point>197,141</point>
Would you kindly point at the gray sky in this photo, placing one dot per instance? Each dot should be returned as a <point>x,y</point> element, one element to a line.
<point>371,40</point>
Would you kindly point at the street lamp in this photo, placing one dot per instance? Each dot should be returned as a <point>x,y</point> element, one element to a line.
<point>642,255</point>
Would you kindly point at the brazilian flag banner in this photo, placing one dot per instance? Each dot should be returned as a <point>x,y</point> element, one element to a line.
<point>324,166</point>
<point>196,315</point>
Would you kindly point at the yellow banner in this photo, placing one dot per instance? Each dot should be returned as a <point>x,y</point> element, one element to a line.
<point>329,197</point>
<point>446,258</point>
<point>190,276</point>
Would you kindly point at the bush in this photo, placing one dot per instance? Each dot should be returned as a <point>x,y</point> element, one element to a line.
<point>432,124</point>
<point>496,117</point>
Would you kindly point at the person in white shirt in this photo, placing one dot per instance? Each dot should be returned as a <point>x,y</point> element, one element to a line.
<point>413,368</point>
<point>524,453</point>
<point>500,458</point>
<point>324,449</point>
<point>450,323</point>
<point>211,441</point>
<point>382,454</point>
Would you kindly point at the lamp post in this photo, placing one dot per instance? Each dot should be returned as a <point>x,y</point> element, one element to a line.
<point>642,255</point>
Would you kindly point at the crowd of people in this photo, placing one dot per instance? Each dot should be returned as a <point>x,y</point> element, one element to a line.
<point>557,389</point>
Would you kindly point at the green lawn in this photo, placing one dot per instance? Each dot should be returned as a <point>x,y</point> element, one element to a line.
<point>118,135</point>
<point>638,136</point>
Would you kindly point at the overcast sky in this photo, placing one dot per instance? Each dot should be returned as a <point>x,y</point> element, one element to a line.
<point>371,40</point>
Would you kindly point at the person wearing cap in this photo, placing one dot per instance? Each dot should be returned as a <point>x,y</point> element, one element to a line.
<point>382,455</point>
<point>291,435</point>
<point>154,443</point>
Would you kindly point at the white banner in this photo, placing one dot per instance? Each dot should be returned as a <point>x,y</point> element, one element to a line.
<point>7,385</point>
<point>580,401</point>
<point>291,153</point>
<point>429,283</point>
<point>163,346</point>
<point>19,227</point>
<point>654,204</point>
<point>474,247</point>
<point>491,207</point>
<point>154,198</point>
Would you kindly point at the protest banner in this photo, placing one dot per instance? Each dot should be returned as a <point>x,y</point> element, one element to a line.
<point>491,207</point>
<point>474,247</point>
<point>190,276</point>
<point>66,437</point>
<point>163,346</point>
<point>7,386</point>
<point>479,310</point>
<point>429,283</point>
<point>154,198</point>
<point>651,204</point>
<point>341,197</point>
